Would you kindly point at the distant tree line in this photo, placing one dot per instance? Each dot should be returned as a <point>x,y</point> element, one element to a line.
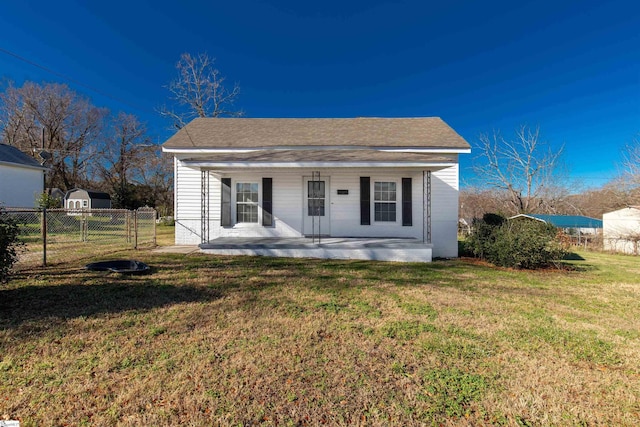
<point>524,175</point>
<point>85,146</point>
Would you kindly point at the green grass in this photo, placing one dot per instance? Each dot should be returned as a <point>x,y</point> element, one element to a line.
<point>207,340</point>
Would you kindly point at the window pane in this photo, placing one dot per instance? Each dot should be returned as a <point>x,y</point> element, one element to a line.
<point>385,211</point>
<point>315,207</point>
<point>247,213</point>
<point>316,189</point>
<point>384,191</point>
<point>315,198</point>
<point>246,202</point>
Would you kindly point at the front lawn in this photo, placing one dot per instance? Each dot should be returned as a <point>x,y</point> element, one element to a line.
<point>257,341</point>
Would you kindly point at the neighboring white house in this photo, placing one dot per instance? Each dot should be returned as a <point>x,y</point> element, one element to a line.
<point>79,198</point>
<point>21,178</point>
<point>290,178</point>
<point>621,230</point>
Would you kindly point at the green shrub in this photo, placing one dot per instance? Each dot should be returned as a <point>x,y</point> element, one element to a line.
<point>482,237</point>
<point>520,243</point>
<point>9,244</point>
<point>47,201</point>
<point>167,221</point>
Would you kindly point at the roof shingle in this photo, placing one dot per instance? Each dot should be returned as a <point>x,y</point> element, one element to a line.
<point>423,132</point>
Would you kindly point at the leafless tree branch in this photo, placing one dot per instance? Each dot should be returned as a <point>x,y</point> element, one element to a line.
<point>524,170</point>
<point>199,91</point>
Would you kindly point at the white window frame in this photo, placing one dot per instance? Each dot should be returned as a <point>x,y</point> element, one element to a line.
<point>236,202</point>
<point>374,201</point>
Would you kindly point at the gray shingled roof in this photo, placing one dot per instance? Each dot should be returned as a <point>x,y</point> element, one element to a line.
<point>92,194</point>
<point>423,132</point>
<point>10,154</point>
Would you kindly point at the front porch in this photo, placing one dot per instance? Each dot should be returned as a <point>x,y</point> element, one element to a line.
<point>378,249</point>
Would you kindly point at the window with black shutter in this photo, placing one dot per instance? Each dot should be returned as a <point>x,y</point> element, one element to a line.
<point>267,204</point>
<point>365,200</point>
<point>407,215</point>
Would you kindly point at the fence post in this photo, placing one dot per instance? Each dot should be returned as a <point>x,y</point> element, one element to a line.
<point>135,229</point>
<point>155,232</point>
<point>126,226</point>
<point>43,232</point>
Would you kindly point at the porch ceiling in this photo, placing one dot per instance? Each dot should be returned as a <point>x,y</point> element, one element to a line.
<point>322,158</point>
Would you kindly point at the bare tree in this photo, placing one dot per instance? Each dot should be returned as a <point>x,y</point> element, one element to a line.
<point>155,172</point>
<point>477,201</point>
<point>611,196</point>
<point>631,164</point>
<point>55,119</point>
<point>199,91</point>
<point>525,169</point>
<point>123,155</point>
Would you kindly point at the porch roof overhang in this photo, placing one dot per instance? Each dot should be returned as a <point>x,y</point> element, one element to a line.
<point>320,159</point>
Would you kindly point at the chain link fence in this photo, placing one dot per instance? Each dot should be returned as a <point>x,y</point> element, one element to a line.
<point>52,236</point>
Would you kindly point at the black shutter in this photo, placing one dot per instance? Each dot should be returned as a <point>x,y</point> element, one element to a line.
<point>267,196</point>
<point>365,200</point>
<point>225,213</point>
<point>407,217</point>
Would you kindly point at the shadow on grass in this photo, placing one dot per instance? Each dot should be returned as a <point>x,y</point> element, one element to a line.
<point>572,256</point>
<point>33,303</point>
<point>356,274</point>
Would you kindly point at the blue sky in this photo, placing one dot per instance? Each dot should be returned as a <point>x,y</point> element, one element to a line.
<point>570,67</point>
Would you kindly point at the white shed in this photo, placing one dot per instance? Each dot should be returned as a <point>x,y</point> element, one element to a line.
<point>79,198</point>
<point>621,230</point>
<point>21,178</point>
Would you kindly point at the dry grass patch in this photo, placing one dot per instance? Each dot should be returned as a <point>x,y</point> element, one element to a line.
<point>257,341</point>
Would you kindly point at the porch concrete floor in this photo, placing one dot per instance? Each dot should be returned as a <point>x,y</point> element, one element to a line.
<point>308,242</point>
<point>382,249</point>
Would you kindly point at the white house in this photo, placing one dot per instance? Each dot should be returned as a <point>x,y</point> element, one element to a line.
<point>238,179</point>
<point>621,230</point>
<point>21,178</point>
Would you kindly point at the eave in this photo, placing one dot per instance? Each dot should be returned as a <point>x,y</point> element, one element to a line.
<point>428,150</point>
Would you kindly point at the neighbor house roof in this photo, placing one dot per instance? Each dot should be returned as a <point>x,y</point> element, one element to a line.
<point>90,193</point>
<point>239,133</point>
<point>637,208</point>
<point>12,155</point>
<point>564,221</point>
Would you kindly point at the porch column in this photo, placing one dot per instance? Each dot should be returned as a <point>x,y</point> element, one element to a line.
<point>204,206</point>
<point>426,208</point>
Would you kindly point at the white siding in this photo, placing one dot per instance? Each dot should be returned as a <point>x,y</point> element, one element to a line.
<point>20,186</point>
<point>344,210</point>
<point>187,205</point>
<point>621,231</point>
<point>444,212</point>
<point>287,205</point>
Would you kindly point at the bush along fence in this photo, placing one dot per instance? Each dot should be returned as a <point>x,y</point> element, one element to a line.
<point>51,236</point>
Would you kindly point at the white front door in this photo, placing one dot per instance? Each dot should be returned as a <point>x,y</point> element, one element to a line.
<point>316,206</point>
